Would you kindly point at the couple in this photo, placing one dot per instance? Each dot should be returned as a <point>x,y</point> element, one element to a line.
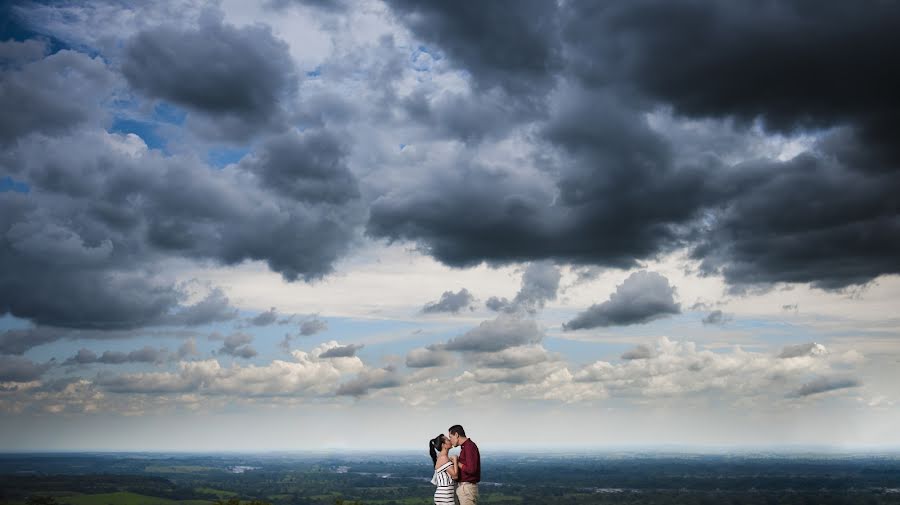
<point>466,469</point>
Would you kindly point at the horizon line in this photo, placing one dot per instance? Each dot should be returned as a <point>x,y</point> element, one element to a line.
<point>636,448</point>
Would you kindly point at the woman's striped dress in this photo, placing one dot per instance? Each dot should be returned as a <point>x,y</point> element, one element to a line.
<point>446,488</point>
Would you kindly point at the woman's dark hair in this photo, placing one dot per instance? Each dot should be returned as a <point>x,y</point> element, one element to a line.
<point>434,446</point>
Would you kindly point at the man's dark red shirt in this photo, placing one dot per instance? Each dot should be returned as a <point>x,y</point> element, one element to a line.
<point>470,462</point>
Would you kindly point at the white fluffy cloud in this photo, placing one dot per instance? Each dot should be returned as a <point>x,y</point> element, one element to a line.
<point>671,368</point>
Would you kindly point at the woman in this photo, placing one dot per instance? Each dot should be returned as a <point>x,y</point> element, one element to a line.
<point>446,470</point>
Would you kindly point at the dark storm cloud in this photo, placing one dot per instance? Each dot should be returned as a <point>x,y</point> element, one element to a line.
<point>51,94</point>
<point>18,341</point>
<point>467,213</point>
<point>324,5</point>
<point>616,196</point>
<point>823,385</point>
<point>810,219</point>
<point>344,351</point>
<point>362,384</point>
<point>81,249</point>
<point>470,117</point>
<point>513,44</point>
<point>309,166</point>
<point>241,77</point>
<point>498,334</point>
<point>643,297</point>
<point>14,52</point>
<point>14,369</point>
<point>792,64</point>
<point>629,192</point>
<point>450,302</point>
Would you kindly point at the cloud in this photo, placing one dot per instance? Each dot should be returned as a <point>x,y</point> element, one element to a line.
<point>428,357</point>
<point>49,94</point>
<point>322,5</point>
<point>17,341</point>
<point>345,351</point>
<point>189,348</point>
<point>497,334</point>
<point>236,344</point>
<point>146,354</point>
<point>214,307</point>
<point>497,304</point>
<point>367,380</point>
<point>716,317</point>
<point>642,297</point>
<point>803,350</point>
<point>597,186</point>
<point>312,326</point>
<point>515,357</point>
<point>824,385</point>
<point>265,318</point>
<point>540,283</point>
<point>795,80</point>
<point>309,166</point>
<point>306,375</point>
<point>517,54</point>
<point>14,53</point>
<point>640,352</point>
<point>450,302</point>
<point>796,210</point>
<point>629,189</point>
<point>15,369</point>
<point>677,369</point>
<point>239,78</point>
<point>99,236</point>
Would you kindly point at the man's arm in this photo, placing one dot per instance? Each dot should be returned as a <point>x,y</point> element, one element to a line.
<point>467,456</point>
<point>474,459</point>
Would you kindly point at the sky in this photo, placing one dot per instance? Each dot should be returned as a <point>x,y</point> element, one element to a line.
<point>338,225</point>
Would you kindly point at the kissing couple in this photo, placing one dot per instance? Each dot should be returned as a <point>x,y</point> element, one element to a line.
<point>455,476</point>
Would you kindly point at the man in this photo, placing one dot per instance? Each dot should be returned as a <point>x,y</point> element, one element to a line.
<point>469,466</point>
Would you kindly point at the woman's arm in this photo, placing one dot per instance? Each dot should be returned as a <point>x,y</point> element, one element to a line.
<point>453,470</point>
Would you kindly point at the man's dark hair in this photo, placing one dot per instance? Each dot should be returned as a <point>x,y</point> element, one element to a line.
<point>457,430</point>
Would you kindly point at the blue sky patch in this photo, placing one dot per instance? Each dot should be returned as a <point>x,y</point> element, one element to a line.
<point>168,113</point>
<point>223,156</point>
<point>9,184</point>
<point>143,129</point>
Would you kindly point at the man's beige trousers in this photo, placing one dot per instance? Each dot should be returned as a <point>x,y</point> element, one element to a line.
<point>467,493</point>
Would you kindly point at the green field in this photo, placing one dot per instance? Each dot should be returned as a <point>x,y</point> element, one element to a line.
<point>180,469</point>
<point>218,493</point>
<point>124,499</point>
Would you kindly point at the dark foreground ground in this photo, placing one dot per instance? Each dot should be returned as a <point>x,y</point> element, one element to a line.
<point>550,479</point>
